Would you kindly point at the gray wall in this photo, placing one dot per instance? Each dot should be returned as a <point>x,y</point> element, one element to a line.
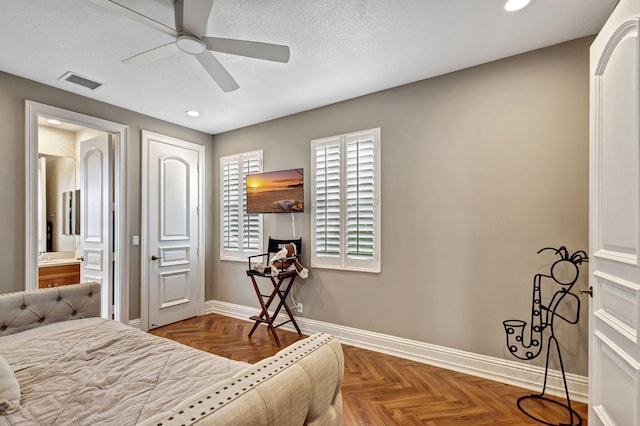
<point>480,169</point>
<point>13,93</point>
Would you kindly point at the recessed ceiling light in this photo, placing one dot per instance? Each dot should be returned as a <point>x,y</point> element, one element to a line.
<point>514,5</point>
<point>53,121</point>
<point>192,113</point>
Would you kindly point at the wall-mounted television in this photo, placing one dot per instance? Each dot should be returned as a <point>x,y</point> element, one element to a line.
<point>276,192</point>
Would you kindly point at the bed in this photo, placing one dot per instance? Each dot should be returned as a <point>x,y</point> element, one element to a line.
<point>74,368</point>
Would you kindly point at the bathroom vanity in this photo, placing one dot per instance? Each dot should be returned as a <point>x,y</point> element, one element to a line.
<point>57,273</point>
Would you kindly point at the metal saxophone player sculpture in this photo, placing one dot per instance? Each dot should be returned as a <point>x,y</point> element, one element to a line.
<point>562,276</point>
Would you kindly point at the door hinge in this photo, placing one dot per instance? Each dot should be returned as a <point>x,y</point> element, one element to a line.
<point>589,291</point>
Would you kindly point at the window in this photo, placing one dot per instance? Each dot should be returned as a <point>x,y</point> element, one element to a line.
<point>240,233</point>
<point>345,219</point>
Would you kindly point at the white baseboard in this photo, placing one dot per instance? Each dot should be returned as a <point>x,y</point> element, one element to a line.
<point>496,369</point>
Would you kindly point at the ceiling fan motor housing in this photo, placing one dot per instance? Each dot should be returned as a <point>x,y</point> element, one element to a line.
<point>190,44</point>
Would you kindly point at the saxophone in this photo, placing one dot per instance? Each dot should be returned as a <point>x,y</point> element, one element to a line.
<point>516,329</point>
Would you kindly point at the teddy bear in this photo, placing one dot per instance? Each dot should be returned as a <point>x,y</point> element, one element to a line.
<point>284,260</point>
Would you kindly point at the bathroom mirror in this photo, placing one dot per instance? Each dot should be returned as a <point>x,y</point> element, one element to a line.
<point>58,204</point>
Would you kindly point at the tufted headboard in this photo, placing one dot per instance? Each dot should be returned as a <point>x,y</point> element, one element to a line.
<point>24,310</point>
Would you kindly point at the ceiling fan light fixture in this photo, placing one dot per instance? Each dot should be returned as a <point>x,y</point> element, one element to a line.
<point>192,113</point>
<point>515,5</point>
<point>190,44</point>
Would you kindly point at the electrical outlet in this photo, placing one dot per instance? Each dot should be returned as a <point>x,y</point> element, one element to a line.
<point>299,307</point>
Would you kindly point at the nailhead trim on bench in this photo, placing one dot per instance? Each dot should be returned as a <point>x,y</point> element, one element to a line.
<point>229,392</point>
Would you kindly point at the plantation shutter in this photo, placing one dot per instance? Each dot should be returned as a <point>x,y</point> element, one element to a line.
<point>230,205</point>
<point>360,197</point>
<point>241,233</point>
<point>327,200</point>
<point>251,235</point>
<point>346,198</point>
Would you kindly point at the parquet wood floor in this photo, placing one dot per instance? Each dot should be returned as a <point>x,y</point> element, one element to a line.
<point>379,389</point>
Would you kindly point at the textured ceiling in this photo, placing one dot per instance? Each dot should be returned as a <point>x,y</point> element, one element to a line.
<point>340,49</point>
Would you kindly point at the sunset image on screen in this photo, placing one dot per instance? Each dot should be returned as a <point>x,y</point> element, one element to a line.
<point>276,192</point>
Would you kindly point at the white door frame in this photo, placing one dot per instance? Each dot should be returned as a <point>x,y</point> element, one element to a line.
<point>144,230</point>
<point>34,110</point>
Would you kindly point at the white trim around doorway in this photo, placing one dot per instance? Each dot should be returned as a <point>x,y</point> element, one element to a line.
<point>34,110</point>
<point>144,234</point>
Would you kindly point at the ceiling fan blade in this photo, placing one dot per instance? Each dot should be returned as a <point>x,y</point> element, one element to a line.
<point>132,14</point>
<point>153,55</point>
<point>218,72</point>
<point>192,16</point>
<point>251,49</point>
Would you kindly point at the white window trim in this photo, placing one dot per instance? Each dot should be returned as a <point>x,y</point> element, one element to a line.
<point>343,262</point>
<point>241,254</point>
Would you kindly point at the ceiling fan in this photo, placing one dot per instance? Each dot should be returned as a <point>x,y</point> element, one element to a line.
<point>191,19</point>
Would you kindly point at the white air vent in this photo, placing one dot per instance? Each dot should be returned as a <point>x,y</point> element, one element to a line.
<point>74,78</point>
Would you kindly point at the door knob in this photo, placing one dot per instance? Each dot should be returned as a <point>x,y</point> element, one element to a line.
<point>81,258</point>
<point>589,291</point>
<point>154,257</point>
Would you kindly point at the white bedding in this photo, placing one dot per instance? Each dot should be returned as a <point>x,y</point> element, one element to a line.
<point>95,371</point>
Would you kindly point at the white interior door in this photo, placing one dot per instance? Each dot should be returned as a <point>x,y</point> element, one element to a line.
<point>614,315</point>
<point>95,212</point>
<point>173,231</point>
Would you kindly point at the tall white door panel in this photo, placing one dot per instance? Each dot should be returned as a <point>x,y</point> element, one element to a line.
<point>614,315</point>
<point>173,229</point>
<point>95,211</point>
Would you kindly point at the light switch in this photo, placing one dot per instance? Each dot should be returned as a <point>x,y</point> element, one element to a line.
<point>135,240</point>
